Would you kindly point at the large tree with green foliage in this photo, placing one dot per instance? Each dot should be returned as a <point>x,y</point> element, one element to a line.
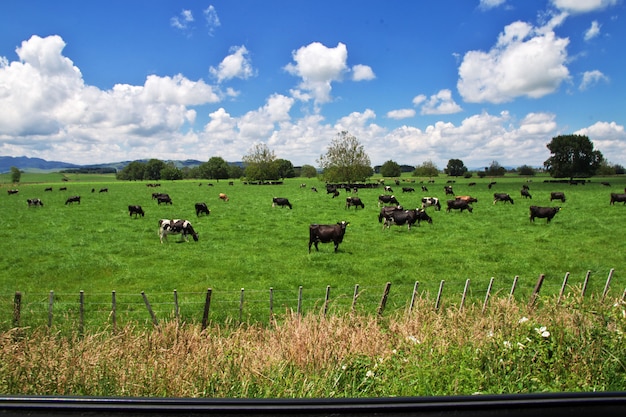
<point>260,163</point>
<point>215,168</point>
<point>427,169</point>
<point>308,171</point>
<point>455,168</point>
<point>16,175</point>
<point>153,169</point>
<point>285,168</point>
<point>390,169</point>
<point>495,169</point>
<point>132,172</point>
<point>572,156</point>
<point>345,160</point>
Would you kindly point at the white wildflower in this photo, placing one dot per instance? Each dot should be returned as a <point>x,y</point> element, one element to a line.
<point>507,344</point>
<point>523,320</point>
<point>413,339</point>
<point>545,334</point>
<point>369,374</point>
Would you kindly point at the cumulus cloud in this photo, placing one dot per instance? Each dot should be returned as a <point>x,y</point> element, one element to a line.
<point>362,73</point>
<point>591,78</point>
<point>593,31</point>
<point>183,20</point>
<point>235,65</point>
<point>211,19</point>
<point>526,61</point>
<point>440,103</point>
<point>401,114</point>
<point>583,6</point>
<point>490,4</point>
<point>608,137</point>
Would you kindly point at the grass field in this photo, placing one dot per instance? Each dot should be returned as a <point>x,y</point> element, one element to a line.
<point>245,243</point>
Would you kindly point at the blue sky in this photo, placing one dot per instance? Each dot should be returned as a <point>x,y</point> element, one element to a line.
<point>414,81</point>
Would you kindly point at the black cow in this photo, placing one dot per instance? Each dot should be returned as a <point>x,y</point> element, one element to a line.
<point>386,211</point>
<point>165,199</point>
<point>282,202</point>
<point>408,189</point>
<point>448,189</point>
<point>103,190</point>
<point>34,202</point>
<point>10,192</point>
<point>175,227</point>
<point>48,189</point>
<point>326,233</point>
<point>557,196</point>
<point>408,217</point>
<point>431,201</point>
<point>202,208</point>
<point>502,197</point>
<point>354,201</point>
<point>458,205</point>
<point>525,193</point>
<point>73,199</point>
<point>387,199</point>
<point>543,212</point>
<point>618,198</point>
<point>136,210</point>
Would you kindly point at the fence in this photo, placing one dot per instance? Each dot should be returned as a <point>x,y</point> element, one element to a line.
<point>252,306</point>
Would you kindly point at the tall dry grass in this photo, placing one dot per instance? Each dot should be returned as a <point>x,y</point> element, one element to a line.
<point>510,348</point>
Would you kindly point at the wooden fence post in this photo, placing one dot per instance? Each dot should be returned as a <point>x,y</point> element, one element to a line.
<point>50,304</point>
<point>207,305</point>
<point>326,298</point>
<point>176,308</point>
<point>584,290</point>
<point>17,309</point>
<point>383,300</point>
<point>271,303</point>
<point>467,283</point>
<point>299,300</point>
<point>81,326</point>
<point>565,278</point>
<point>513,287</point>
<point>114,311</point>
<point>413,296</point>
<point>608,282</point>
<point>145,300</point>
<point>438,302</point>
<point>241,306</point>
<point>354,297</point>
<point>535,293</point>
<point>487,295</point>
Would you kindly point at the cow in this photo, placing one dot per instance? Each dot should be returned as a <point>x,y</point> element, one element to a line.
<point>354,201</point>
<point>491,184</point>
<point>223,197</point>
<point>326,233</point>
<point>408,189</point>
<point>388,189</point>
<point>136,210</point>
<point>165,199</point>
<point>424,188</point>
<point>48,189</point>
<point>502,197</point>
<point>282,202</point>
<point>458,205</point>
<point>387,199</point>
<point>618,198</point>
<point>103,190</point>
<point>467,198</point>
<point>335,193</point>
<point>202,208</point>
<point>543,212</point>
<point>448,189</point>
<point>525,193</point>
<point>431,201</point>
<point>73,199</point>
<point>34,202</point>
<point>155,196</point>
<point>408,217</point>
<point>62,188</point>
<point>175,227</point>
<point>11,192</point>
<point>557,196</point>
<point>386,211</point>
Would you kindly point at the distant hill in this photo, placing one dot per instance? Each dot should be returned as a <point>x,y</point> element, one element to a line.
<point>26,164</point>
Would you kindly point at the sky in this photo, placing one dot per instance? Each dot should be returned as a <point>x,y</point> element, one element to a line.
<point>91,82</point>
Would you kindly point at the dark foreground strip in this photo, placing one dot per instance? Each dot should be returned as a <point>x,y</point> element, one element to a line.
<point>535,405</point>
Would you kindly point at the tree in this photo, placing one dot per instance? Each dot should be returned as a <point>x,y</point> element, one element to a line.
<point>427,169</point>
<point>132,172</point>
<point>345,160</point>
<point>390,169</point>
<point>171,172</point>
<point>235,171</point>
<point>260,164</point>
<point>455,168</point>
<point>284,168</point>
<point>16,175</point>
<point>308,171</point>
<point>572,156</point>
<point>526,170</point>
<point>153,169</point>
<point>215,168</point>
<point>495,169</point>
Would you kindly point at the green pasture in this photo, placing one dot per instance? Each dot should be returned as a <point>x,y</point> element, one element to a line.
<point>246,244</point>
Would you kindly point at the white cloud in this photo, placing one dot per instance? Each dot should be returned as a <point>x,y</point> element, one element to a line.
<point>526,61</point>
<point>440,103</point>
<point>583,6</point>
<point>362,73</point>
<point>401,114</point>
<point>593,31</point>
<point>183,20</point>
<point>235,65</point>
<point>211,18</point>
<point>490,4</point>
<point>591,78</point>
<point>419,99</point>
<point>608,137</point>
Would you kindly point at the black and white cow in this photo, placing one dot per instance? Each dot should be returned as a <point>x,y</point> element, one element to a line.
<point>386,211</point>
<point>354,201</point>
<point>618,198</point>
<point>281,202</point>
<point>557,196</point>
<point>11,192</point>
<point>326,233</point>
<point>408,217</point>
<point>502,197</point>
<point>202,208</point>
<point>458,205</point>
<point>73,199</point>
<point>387,199</point>
<point>431,201</point>
<point>448,189</point>
<point>136,210</point>
<point>34,202</point>
<point>176,227</point>
<point>543,212</point>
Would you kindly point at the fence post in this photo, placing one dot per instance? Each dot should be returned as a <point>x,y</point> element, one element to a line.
<point>354,297</point>
<point>437,303</point>
<point>383,300</point>
<point>535,293</point>
<point>487,295</point>
<point>271,303</point>
<point>81,326</point>
<point>413,297</point>
<point>584,290</point>
<point>467,283</point>
<point>608,282</point>
<point>513,287</point>
<point>241,306</point>
<point>50,303</point>
<point>114,311</point>
<point>300,300</point>
<point>205,313</point>
<point>326,300</point>
<point>176,309</point>
<point>145,300</point>
<point>558,300</point>
<point>17,309</point>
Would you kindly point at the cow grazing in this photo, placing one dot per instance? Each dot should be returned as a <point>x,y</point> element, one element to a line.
<point>223,197</point>
<point>326,233</point>
<point>386,211</point>
<point>62,188</point>
<point>34,202</point>
<point>408,217</point>
<point>175,227</point>
<point>202,208</point>
<point>314,189</point>
<point>155,196</point>
<point>165,199</point>
<point>467,198</point>
<point>557,196</point>
<point>491,184</point>
<point>335,193</point>
<point>387,199</point>
<point>431,201</point>
<point>458,205</point>
<point>73,199</point>
<point>502,197</point>
<point>408,189</point>
<point>354,201</point>
<point>543,212</point>
<point>448,189</point>
<point>388,189</point>
<point>281,202</point>
<point>48,189</point>
<point>525,193</point>
<point>136,210</point>
<point>424,188</point>
<point>11,192</point>
<point>618,198</point>
<point>103,190</point>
